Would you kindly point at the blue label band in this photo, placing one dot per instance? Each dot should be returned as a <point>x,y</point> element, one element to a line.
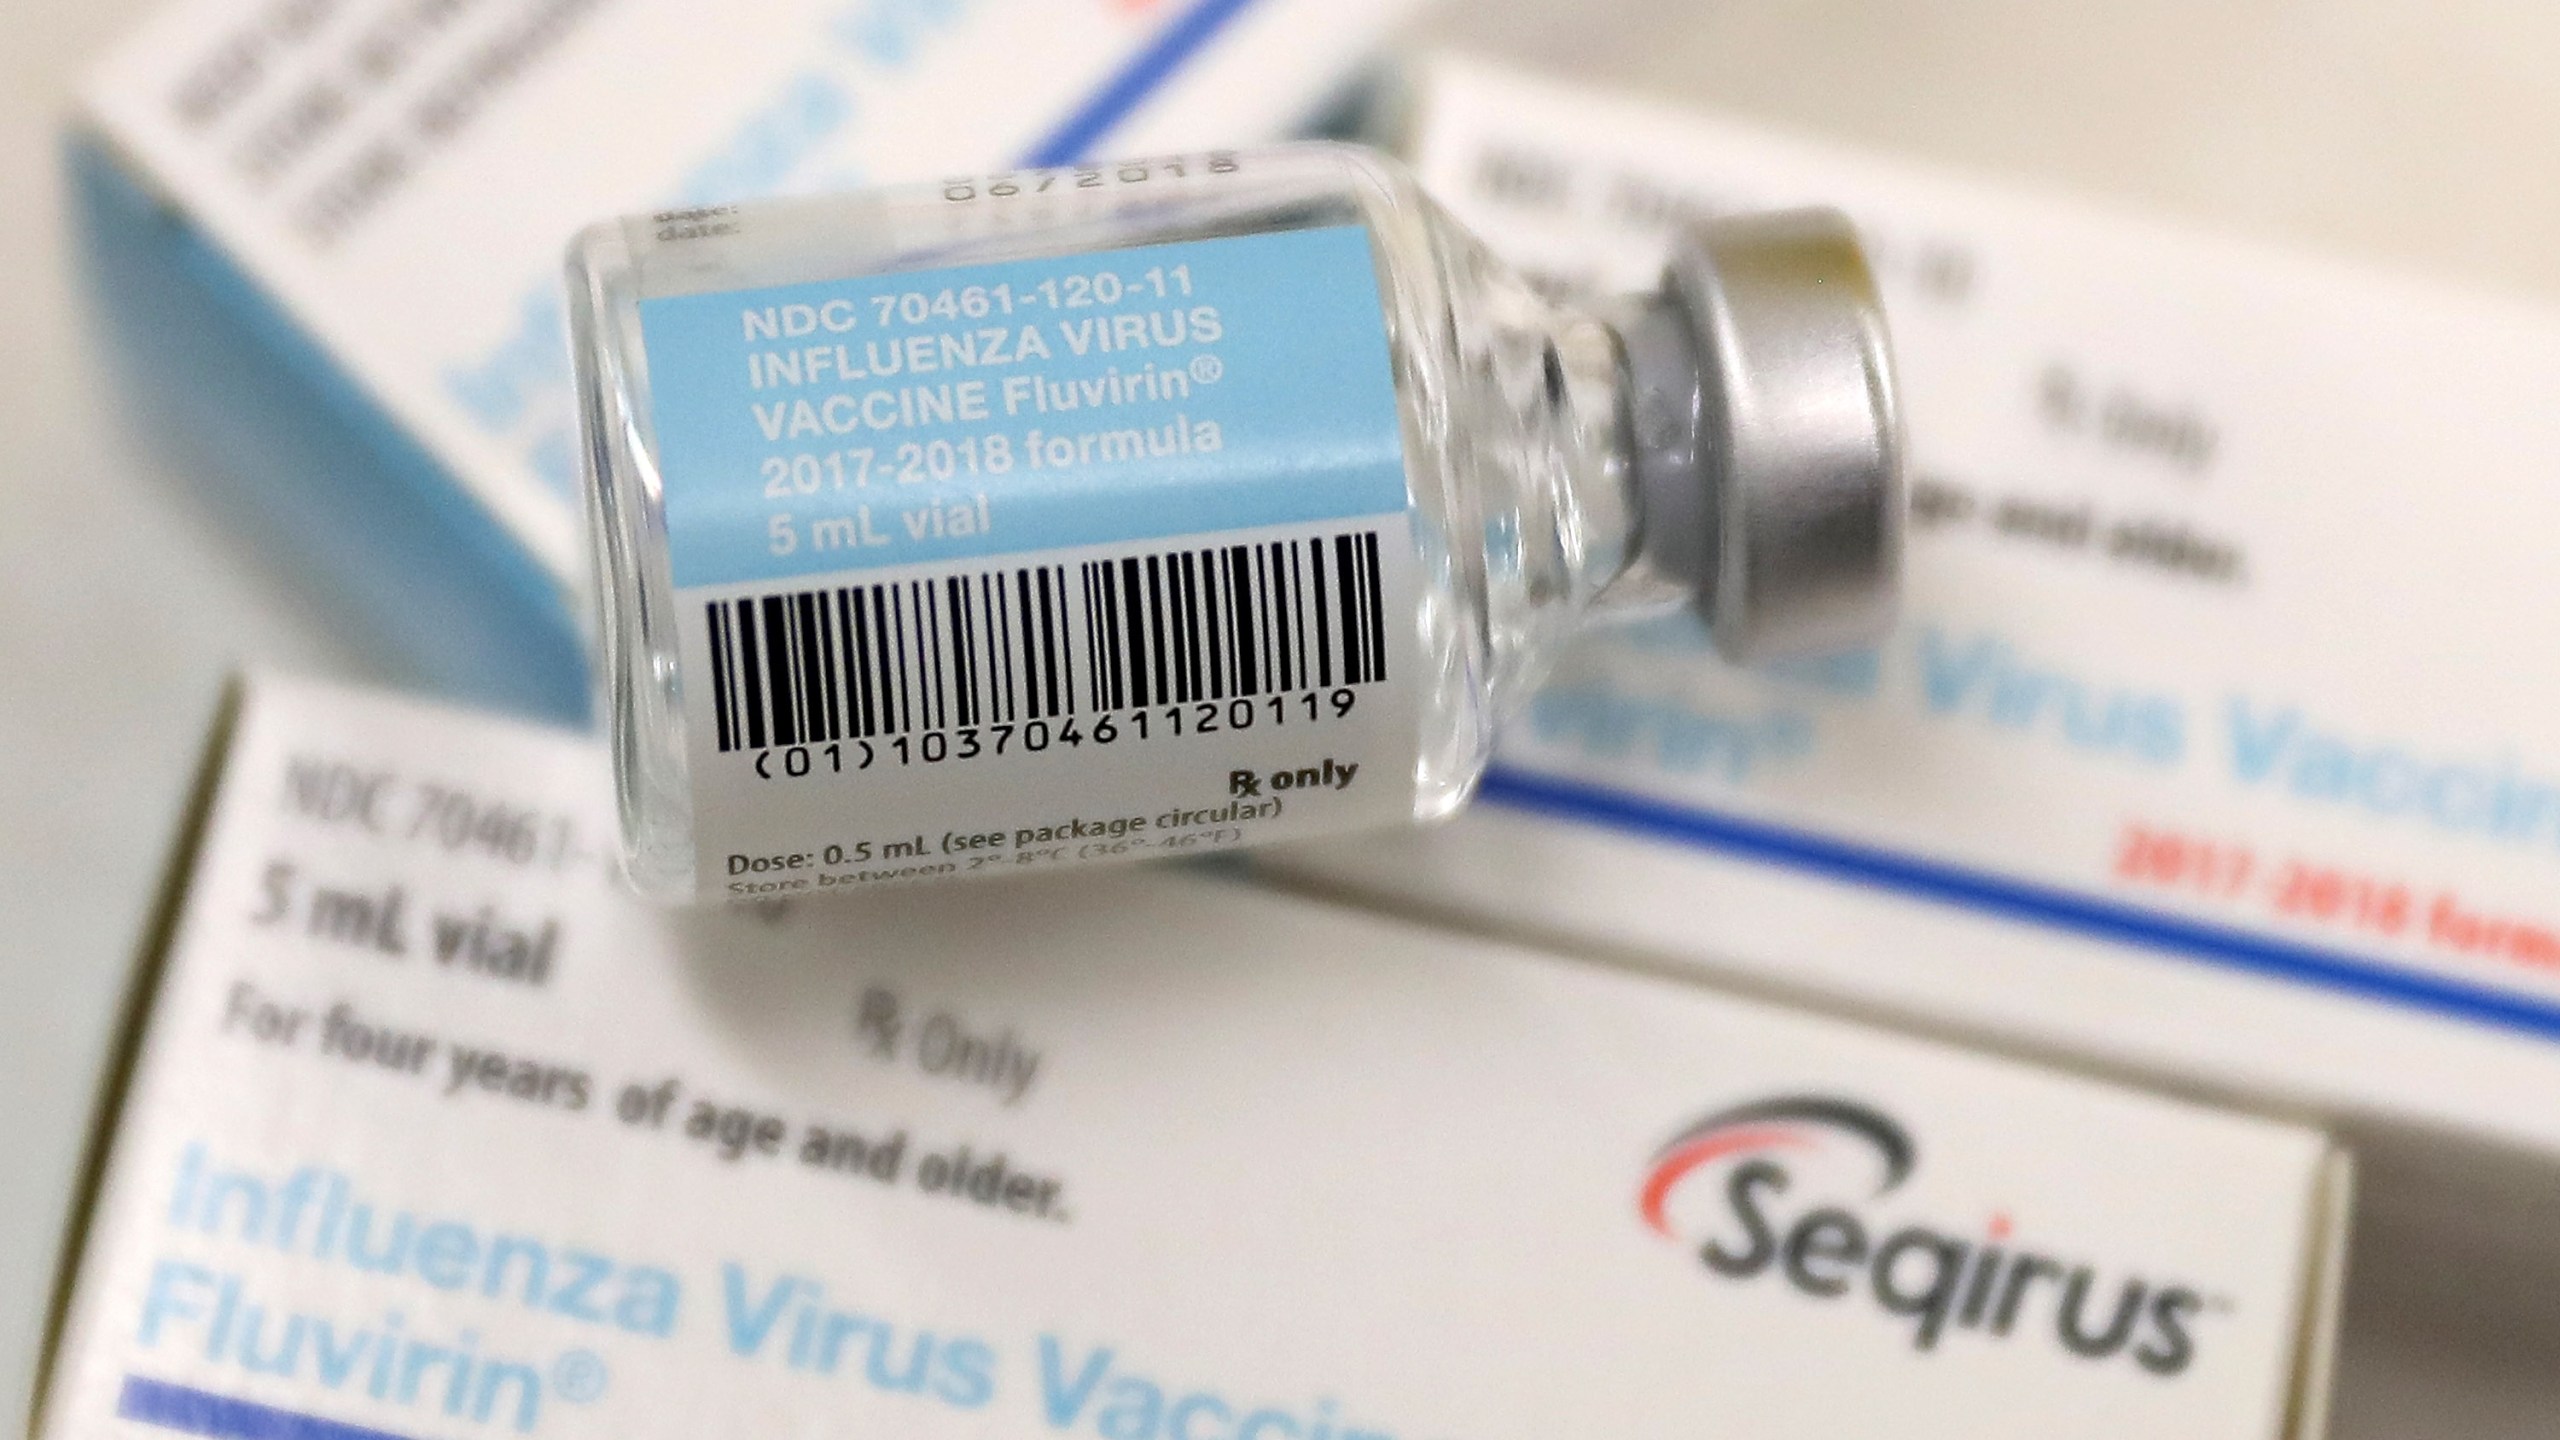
<point>1093,398</point>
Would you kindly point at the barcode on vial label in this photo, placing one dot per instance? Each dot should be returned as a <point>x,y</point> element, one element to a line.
<point>1004,646</point>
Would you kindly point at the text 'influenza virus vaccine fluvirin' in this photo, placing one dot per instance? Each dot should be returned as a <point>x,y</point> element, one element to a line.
<point>1155,508</point>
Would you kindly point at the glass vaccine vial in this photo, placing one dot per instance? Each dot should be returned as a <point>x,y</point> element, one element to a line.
<point>1148,509</point>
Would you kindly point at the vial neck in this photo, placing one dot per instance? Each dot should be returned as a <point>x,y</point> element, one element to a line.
<point>1560,508</point>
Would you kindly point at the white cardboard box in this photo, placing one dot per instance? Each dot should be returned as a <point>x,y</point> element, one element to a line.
<point>2218,741</point>
<point>430,1129</point>
<point>396,182</point>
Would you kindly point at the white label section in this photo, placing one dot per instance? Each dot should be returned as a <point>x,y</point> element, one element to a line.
<point>1100,703</point>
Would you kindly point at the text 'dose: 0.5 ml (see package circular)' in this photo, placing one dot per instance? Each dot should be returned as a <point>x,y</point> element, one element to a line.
<point>1155,508</point>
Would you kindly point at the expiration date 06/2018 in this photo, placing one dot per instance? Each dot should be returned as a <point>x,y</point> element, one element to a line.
<point>1066,734</point>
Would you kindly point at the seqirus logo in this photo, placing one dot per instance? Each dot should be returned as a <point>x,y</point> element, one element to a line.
<point>1801,1187</point>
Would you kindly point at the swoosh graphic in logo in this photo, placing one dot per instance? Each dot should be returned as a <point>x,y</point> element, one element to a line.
<point>1677,1163</point>
<point>1785,1121</point>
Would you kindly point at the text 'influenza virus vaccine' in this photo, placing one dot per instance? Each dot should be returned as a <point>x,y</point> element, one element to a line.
<point>1154,508</point>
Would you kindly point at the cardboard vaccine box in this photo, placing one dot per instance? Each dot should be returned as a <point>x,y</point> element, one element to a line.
<point>389,186</point>
<point>429,1129</point>
<point>2217,743</point>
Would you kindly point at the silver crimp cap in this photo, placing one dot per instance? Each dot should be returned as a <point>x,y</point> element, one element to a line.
<point>1766,434</point>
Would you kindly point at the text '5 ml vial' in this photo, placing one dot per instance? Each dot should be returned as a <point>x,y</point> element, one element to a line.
<point>1156,508</point>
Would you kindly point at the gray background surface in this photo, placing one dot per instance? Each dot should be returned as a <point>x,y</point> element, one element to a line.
<point>2423,134</point>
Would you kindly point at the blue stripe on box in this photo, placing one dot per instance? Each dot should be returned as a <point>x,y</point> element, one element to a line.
<point>1074,137</point>
<point>2052,907</point>
<point>190,1411</point>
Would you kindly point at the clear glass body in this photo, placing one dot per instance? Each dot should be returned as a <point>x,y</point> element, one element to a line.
<point>1514,418</point>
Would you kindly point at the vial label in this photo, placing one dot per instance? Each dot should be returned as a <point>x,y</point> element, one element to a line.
<point>1048,561</point>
